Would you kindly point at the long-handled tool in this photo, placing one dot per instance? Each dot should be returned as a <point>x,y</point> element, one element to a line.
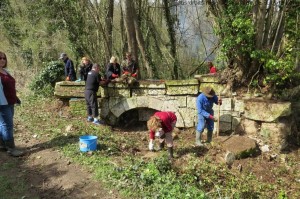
<point>219,113</point>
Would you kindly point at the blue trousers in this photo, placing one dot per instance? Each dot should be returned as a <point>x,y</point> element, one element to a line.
<point>202,121</point>
<point>6,122</point>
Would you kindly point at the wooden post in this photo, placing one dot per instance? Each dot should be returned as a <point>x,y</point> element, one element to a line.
<point>219,113</point>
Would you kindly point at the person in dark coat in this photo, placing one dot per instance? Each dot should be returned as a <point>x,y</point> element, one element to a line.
<point>85,68</point>
<point>113,69</point>
<point>69,67</point>
<point>129,66</point>
<point>91,88</point>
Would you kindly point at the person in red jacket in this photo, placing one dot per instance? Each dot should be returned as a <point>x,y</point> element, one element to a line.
<point>8,99</point>
<point>161,125</point>
<point>212,68</point>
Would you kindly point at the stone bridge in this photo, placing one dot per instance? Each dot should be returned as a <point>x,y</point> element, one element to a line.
<point>117,100</point>
<point>122,103</point>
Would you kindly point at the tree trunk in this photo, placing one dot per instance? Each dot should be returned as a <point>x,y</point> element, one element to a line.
<point>129,27</point>
<point>172,35</point>
<point>109,25</point>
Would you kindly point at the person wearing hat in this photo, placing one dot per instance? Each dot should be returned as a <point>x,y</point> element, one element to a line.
<point>204,103</point>
<point>161,125</point>
<point>69,67</point>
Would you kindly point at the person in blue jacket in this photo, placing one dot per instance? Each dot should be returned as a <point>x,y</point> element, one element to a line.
<point>204,103</point>
<point>69,67</point>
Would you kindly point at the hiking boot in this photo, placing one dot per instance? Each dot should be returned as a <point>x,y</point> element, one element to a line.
<point>15,152</point>
<point>170,150</point>
<point>198,139</point>
<point>90,119</point>
<point>161,146</point>
<point>2,145</point>
<point>98,122</point>
<point>209,136</point>
<point>11,149</point>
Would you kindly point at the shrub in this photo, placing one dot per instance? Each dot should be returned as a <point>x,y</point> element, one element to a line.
<point>43,84</point>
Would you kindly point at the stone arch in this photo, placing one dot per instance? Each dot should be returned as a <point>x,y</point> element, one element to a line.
<point>118,106</point>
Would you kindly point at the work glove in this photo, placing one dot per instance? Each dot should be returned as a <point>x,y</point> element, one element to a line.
<point>114,75</point>
<point>213,118</point>
<point>67,78</point>
<point>151,145</point>
<point>160,133</point>
<point>126,73</point>
<point>134,75</point>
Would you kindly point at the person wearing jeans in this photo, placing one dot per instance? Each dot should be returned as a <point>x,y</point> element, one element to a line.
<point>8,99</point>
<point>204,103</point>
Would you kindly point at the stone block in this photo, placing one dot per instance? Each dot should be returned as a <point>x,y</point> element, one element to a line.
<point>118,109</point>
<point>241,146</point>
<point>224,126</point>
<point>67,89</point>
<point>186,118</point>
<point>269,111</point>
<point>207,78</point>
<point>156,103</point>
<point>235,122</point>
<point>130,103</point>
<point>225,116</point>
<point>104,107</point>
<point>238,105</point>
<point>142,101</point>
<point>191,102</point>
<point>277,132</point>
<point>218,88</point>
<point>148,88</point>
<point>249,127</point>
<point>182,87</point>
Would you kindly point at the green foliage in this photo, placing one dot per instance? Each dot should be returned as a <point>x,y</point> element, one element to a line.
<point>43,84</point>
<point>236,30</point>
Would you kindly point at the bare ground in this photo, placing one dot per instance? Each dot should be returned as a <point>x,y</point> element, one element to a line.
<point>47,174</point>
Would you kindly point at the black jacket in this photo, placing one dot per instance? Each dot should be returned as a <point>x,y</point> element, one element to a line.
<point>92,81</point>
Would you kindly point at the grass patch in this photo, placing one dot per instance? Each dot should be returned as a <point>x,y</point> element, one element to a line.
<point>118,167</point>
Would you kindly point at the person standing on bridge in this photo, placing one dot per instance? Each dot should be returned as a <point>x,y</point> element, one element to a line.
<point>91,88</point>
<point>204,103</point>
<point>161,125</point>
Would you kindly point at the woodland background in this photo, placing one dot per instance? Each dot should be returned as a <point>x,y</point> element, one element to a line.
<point>254,43</point>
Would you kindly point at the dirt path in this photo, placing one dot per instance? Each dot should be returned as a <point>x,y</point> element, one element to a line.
<point>45,173</point>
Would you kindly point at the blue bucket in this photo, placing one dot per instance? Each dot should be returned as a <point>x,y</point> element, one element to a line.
<point>88,143</point>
